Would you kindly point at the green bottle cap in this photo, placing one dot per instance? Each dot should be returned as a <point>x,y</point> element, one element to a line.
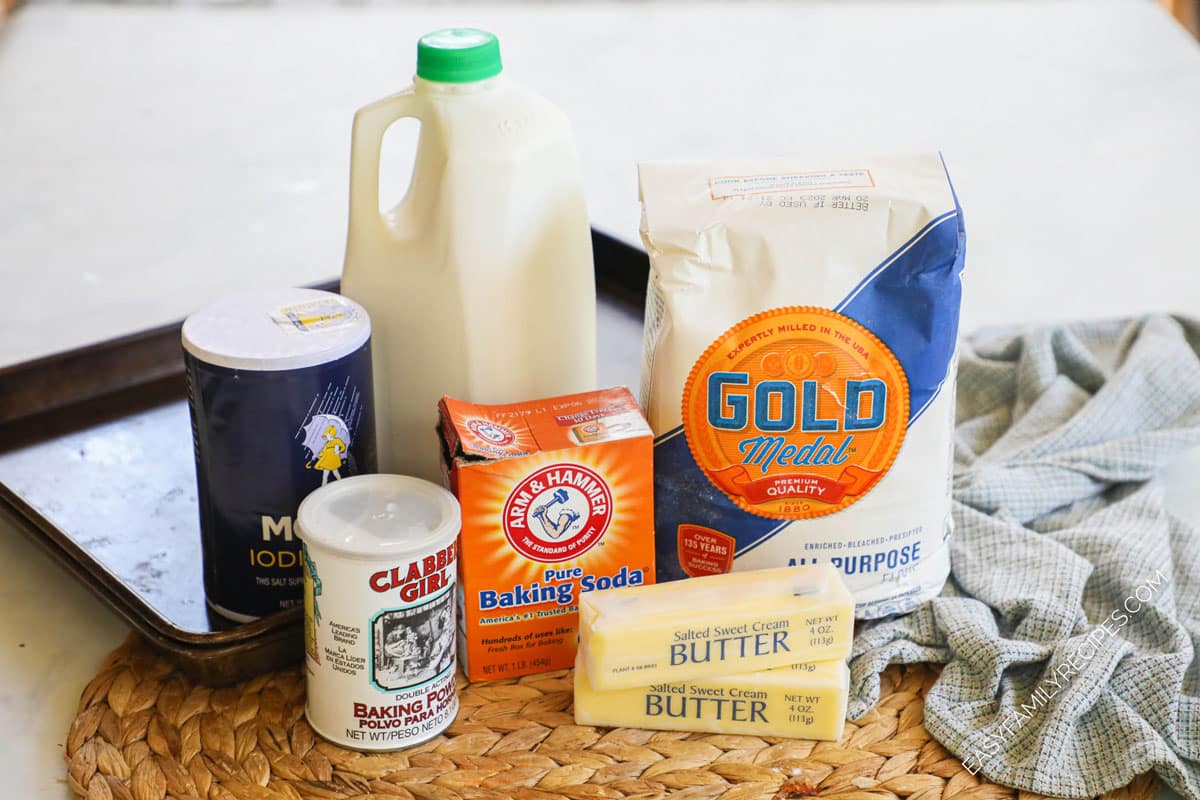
<point>458,55</point>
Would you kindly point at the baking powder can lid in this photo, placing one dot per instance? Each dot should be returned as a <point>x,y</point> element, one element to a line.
<point>379,516</point>
<point>276,329</point>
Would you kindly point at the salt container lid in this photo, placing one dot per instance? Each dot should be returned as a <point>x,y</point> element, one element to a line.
<point>276,329</point>
<point>379,516</point>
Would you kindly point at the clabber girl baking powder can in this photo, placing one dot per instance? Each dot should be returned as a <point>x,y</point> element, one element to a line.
<point>380,566</point>
<point>279,384</point>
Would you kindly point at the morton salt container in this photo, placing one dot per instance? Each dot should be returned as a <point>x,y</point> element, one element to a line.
<point>279,384</point>
<point>380,564</point>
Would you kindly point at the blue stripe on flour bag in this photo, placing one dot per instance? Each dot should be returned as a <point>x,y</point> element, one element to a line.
<point>911,302</point>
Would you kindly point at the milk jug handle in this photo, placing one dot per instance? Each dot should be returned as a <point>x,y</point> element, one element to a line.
<point>370,124</point>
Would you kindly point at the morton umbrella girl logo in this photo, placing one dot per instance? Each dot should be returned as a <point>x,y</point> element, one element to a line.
<point>327,439</point>
<point>329,432</point>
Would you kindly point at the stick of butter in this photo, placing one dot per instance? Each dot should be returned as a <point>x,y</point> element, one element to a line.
<point>715,625</point>
<point>806,701</point>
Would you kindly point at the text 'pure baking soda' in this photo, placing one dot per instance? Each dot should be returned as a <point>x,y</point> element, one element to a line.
<point>380,567</point>
<point>557,502</point>
<point>801,326</point>
<point>480,282</point>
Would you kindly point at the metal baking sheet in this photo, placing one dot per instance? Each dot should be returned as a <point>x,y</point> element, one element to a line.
<point>121,498</point>
<point>217,665</point>
<point>114,498</point>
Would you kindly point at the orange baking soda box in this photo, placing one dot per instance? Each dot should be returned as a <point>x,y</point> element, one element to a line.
<point>557,500</point>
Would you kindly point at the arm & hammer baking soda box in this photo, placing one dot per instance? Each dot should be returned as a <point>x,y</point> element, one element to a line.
<point>557,500</point>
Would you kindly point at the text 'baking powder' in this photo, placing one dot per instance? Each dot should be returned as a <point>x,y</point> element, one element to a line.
<point>380,564</point>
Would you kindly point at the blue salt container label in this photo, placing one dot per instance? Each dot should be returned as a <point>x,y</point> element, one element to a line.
<point>266,438</point>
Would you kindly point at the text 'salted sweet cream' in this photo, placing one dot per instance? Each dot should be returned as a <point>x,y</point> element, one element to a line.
<point>806,701</point>
<point>715,626</point>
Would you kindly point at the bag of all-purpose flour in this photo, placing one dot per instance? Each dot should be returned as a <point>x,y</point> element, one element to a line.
<point>801,322</point>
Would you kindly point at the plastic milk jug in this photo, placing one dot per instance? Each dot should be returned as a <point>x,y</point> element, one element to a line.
<point>480,282</point>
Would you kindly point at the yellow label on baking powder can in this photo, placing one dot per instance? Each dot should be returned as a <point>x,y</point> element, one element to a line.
<point>796,412</point>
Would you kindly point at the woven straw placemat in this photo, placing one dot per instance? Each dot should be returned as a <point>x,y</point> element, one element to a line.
<point>145,732</point>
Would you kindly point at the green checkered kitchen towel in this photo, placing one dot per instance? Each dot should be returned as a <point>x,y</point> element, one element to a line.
<point>1070,624</point>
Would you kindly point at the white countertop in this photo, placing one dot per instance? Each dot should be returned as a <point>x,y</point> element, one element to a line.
<point>53,636</point>
<point>151,157</point>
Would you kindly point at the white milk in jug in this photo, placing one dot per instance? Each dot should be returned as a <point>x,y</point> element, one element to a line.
<point>479,283</point>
